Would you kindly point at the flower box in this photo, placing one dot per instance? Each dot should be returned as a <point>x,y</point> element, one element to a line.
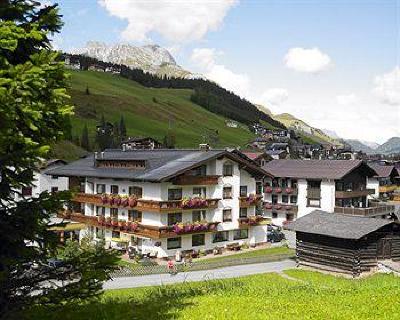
<point>268,189</point>
<point>132,202</point>
<point>104,199</point>
<point>278,190</point>
<point>194,203</point>
<point>278,207</point>
<point>288,208</point>
<point>125,202</point>
<point>268,206</point>
<point>288,190</point>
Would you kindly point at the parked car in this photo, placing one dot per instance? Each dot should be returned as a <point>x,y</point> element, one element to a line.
<point>276,236</point>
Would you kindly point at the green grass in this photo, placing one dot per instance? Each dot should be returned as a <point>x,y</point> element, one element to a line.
<point>266,296</point>
<point>147,111</point>
<point>66,150</point>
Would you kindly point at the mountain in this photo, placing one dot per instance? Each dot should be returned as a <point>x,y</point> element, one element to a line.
<point>148,111</point>
<point>331,133</point>
<point>149,58</point>
<point>357,145</point>
<point>390,146</point>
<point>372,145</point>
<point>307,132</point>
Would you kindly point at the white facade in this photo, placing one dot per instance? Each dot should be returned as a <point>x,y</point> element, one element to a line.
<point>159,192</point>
<point>373,183</point>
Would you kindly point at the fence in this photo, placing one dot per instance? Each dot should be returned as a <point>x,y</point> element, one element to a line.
<point>140,270</point>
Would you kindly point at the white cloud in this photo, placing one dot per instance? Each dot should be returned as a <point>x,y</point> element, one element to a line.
<point>274,96</point>
<point>346,99</point>
<point>387,87</point>
<point>176,21</point>
<point>307,60</point>
<point>205,59</point>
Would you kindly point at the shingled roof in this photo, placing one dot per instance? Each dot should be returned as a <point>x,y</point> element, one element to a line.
<point>337,225</point>
<point>161,164</point>
<point>315,169</point>
<point>384,171</point>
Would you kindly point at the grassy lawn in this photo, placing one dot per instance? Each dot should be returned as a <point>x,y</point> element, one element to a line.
<point>266,296</point>
<point>147,111</point>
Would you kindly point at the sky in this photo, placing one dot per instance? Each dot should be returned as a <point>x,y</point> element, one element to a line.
<point>332,63</point>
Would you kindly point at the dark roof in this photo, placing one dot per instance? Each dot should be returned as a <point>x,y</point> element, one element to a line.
<point>139,139</point>
<point>161,164</point>
<point>383,171</point>
<point>337,225</point>
<point>51,162</point>
<point>315,169</point>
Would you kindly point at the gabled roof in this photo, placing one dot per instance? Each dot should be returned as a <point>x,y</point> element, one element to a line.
<point>337,225</point>
<point>315,169</point>
<point>384,171</point>
<point>161,164</point>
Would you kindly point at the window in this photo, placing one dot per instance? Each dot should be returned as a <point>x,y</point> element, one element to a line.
<point>259,188</point>
<point>221,236</point>
<point>174,218</point>
<point>274,215</point>
<point>198,215</point>
<point>114,213</point>
<point>26,191</point>
<point>243,213</point>
<point>100,211</point>
<point>240,234</point>
<point>227,215</point>
<point>114,189</point>
<point>285,198</point>
<point>174,194</point>
<point>199,171</point>
<point>100,188</point>
<point>289,217</point>
<point>174,243</point>
<point>227,193</point>
<point>54,177</point>
<point>274,199</point>
<point>198,240</point>
<point>136,191</point>
<point>284,183</point>
<point>293,199</point>
<point>294,184</point>
<point>134,215</point>
<point>227,169</point>
<point>199,192</point>
<point>115,234</point>
<point>243,191</point>
<point>54,189</point>
<point>314,193</point>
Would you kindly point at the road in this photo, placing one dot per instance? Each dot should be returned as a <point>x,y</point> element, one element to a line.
<point>222,273</point>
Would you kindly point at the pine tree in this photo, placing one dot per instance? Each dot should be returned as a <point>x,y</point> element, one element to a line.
<point>122,128</point>
<point>85,138</point>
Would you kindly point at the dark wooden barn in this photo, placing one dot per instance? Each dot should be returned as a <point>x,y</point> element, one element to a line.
<point>345,243</point>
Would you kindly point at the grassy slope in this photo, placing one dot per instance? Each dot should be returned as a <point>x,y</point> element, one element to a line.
<point>114,95</point>
<point>266,296</point>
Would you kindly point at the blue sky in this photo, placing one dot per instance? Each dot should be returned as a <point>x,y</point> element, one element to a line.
<point>332,63</point>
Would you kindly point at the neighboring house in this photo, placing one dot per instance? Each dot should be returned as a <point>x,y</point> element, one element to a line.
<point>138,143</point>
<point>277,154</point>
<point>44,182</point>
<point>260,143</point>
<point>161,201</point>
<point>260,158</point>
<point>335,186</point>
<point>231,124</point>
<point>347,244</point>
<point>385,182</point>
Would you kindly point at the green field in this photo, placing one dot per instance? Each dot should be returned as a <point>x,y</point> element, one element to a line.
<point>307,295</point>
<point>147,111</point>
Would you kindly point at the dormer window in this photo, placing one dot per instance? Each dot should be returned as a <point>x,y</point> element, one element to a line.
<point>227,169</point>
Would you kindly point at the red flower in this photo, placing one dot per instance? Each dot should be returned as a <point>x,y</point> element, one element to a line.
<point>278,190</point>
<point>289,190</point>
<point>268,189</point>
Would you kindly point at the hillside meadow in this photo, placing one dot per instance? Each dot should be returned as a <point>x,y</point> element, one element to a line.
<point>147,111</point>
<point>299,295</point>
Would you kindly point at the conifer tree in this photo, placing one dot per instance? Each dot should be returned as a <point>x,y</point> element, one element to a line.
<point>85,144</point>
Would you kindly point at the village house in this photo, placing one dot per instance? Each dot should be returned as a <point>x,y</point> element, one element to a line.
<point>138,143</point>
<point>299,187</point>
<point>161,201</point>
<point>385,182</point>
<point>260,158</point>
<point>347,244</point>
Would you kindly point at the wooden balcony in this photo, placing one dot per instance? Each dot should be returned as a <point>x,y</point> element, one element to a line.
<point>253,221</point>
<point>146,205</point>
<point>196,180</point>
<point>281,207</point>
<point>280,190</point>
<point>245,202</point>
<point>137,228</point>
<point>353,193</point>
<point>387,189</point>
<point>375,209</point>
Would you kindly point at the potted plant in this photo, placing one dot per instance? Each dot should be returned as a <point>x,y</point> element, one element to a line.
<point>108,221</point>
<point>104,198</point>
<point>278,207</point>
<point>132,201</point>
<point>117,200</point>
<point>101,220</point>
<point>178,228</point>
<point>287,207</point>
<point>124,201</point>
<point>121,223</point>
<point>114,222</point>
<point>289,190</point>
<point>111,200</point>
<point>278,190</point>
<point>268,189</point>
<point>268,205</point>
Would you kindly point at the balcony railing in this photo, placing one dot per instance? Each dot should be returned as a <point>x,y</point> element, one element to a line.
<point>196,180</point>
<point>375,209</point>
<point>280,190</point>
<point>146,205</point>
<point>388,188</point>
<point>253,221</point>
<point>140,229</point>
<point>281,207</point>
<point>251,200</point>
<point>353,193</point>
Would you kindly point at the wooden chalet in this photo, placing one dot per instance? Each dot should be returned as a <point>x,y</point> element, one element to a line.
<point>345,243</point>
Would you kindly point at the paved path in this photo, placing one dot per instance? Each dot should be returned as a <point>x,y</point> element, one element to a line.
<point>222,273</point>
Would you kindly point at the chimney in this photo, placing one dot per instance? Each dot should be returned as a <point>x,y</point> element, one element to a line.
<point>204,147</point>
